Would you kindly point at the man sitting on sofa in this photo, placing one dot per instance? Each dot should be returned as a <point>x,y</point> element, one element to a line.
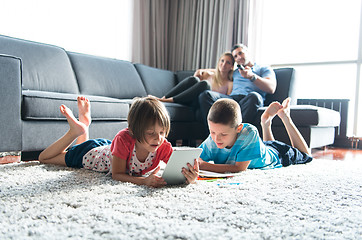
<point>251,83</point>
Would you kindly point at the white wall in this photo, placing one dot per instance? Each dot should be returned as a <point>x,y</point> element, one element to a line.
<point>97,27</point>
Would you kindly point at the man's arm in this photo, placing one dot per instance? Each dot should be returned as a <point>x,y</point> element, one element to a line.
<point>266,84</point>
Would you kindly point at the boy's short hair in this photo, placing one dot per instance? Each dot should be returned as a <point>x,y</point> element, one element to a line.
<point>145,113</point>
<point>225,111</point>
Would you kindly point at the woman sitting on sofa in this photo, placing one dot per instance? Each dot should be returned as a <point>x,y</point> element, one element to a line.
<point>218,80</point>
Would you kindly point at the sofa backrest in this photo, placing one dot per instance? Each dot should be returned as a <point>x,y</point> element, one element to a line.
<point>44,67</point>
<point>156,81</point>
<point>106,77</point>
<point>285,86</point>
<point>181,75</point>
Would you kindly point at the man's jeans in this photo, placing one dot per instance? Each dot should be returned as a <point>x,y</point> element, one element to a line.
<point>249,104</point>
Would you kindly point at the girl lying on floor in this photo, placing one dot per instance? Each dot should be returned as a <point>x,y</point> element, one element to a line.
<point>133,152</point>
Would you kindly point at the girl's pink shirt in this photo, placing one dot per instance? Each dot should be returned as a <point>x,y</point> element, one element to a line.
<point>123,144</point>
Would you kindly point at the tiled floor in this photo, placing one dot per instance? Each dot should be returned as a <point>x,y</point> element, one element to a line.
<point>337,154</point>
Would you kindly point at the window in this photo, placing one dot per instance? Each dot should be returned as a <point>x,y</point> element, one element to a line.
<point>321,40</point>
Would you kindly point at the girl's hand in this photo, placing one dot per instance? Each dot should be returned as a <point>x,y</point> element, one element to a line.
<point>192,173</point>
<point>201,162</point>
<point>155,181</point>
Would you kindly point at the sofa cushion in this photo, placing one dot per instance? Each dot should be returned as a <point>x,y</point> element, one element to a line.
<point>308,115</point>
<point>156,81</point>
<point>44,67</point>
<point>39,105</point>
<point>180,113</point>
<point>106,77</point>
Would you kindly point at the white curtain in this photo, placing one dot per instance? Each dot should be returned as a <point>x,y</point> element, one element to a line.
<point>187,34</point>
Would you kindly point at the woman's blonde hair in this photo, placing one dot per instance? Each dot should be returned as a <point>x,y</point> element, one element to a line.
<point>217,78</point>
<point>144,113</point>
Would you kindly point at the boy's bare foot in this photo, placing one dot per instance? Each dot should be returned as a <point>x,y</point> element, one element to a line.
<point>76,128</point>
<point>84,110</point>
<point>284,112</point>
<point>270,113</point>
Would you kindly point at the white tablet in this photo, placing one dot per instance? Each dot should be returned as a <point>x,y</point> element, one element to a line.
<point>179,159</point>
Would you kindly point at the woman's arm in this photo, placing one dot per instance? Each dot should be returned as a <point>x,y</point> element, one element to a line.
<point>204,74</point>
<point>119,173</point>
<point>222,168</point>
<point>230,87</point>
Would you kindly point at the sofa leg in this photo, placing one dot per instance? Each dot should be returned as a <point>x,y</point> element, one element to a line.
<point>354,142</point>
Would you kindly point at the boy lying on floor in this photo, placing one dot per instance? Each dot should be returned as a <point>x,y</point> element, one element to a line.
<point>235,146</point>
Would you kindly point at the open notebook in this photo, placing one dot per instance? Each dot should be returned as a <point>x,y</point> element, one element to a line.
<point>203,173</point>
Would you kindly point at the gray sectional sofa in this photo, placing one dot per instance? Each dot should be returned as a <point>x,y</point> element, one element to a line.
<point>37,78</point>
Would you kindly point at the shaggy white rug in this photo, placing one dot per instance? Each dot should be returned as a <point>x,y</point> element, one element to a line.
<point>320,200</point>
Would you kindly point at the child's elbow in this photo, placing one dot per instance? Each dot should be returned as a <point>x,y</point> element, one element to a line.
<point>237,170</point>
<point>241,166</point>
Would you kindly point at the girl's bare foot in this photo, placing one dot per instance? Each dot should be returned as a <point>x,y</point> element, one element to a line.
<point>84,110</point>
<point>76,128</point>
<point>270,113</point>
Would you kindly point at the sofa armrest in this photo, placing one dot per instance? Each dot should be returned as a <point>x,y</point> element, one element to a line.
<point>10,103</point>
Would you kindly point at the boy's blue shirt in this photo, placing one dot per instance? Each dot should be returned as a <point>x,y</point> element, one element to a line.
<point>247,147</point>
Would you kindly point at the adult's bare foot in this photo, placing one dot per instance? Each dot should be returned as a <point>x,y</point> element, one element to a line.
<point>164,99</point>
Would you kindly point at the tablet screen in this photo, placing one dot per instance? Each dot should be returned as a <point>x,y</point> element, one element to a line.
<point>179,159</point>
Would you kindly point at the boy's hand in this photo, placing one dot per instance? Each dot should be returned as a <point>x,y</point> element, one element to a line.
<point>155,181</point>
<point>192,173</point>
